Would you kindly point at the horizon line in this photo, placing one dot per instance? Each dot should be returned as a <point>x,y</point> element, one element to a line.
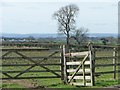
<point>58,33</point>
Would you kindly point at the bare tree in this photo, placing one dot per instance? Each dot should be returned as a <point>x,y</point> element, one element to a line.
<point>80,35</point>
<point>66,20</point>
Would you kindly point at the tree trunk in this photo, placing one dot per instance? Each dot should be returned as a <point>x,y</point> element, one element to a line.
<point>68,43</point>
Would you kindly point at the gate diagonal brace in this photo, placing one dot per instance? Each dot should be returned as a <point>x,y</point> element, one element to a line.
<point>49,56</point>
<point>6,54</point>
<point>35,63</point>
<point>7,75</point>
<point>78,68</point>
<point>24,71</point>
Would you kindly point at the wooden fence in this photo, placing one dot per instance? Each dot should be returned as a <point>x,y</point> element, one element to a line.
<point>108,59</point>
<point>102,57</point>
<point>22,57</point>
<point>74,67</point>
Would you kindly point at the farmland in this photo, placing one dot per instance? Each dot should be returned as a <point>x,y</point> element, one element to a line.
<point>53,63</point>
<point>59,45</point>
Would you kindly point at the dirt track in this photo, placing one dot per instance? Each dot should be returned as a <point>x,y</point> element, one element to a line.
<point>24,83</point>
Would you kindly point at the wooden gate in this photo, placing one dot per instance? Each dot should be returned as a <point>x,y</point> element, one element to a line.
<point>17,65</point>
<point>78,69</point>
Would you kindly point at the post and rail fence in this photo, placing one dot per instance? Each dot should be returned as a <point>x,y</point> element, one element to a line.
<point>101,57</point>
<point>72,67</point>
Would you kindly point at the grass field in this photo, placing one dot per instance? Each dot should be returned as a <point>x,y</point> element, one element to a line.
<point>100,81</point>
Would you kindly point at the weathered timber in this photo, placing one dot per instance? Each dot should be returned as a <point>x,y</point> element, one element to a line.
<point>81,84</point>
<point>78,63</point>
<point>35,63</point>
<point>80,71</point>
<point>64,65</point>
<point>106,72</point>
<point>77,54</point>
<point>114,62</point>
<point>25,49</point>
<point>105,65</point>
<point>7,65</point>
<point>77,68</point>
<point>30,71</point>
<point>80,77</point>
<point>35,77</point>
<point>40,57</point>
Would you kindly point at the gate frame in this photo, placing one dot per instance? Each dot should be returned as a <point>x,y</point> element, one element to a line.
<point>92,64</point>
<point>17,76</point>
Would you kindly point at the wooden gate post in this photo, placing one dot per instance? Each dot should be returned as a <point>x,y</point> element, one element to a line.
<point>92,65</point>
<point>61,61</point>
<point>63,66</point>
<point>114,62</point>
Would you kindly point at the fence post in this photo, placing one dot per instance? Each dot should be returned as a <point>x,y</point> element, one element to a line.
<point>61,61</point>
<point>114,62</point>
<point>63,66</point>
<point>84,80</point>
<point>92,58</point>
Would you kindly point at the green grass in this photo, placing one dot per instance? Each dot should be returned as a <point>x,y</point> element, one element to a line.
<point>12,86</point>
<point>106,83</point>
<point>101,81</point>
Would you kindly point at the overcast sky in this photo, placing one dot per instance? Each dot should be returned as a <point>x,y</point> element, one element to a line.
<point>36,17</point>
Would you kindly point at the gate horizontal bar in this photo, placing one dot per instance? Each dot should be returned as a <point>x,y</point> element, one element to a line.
<point>105,65</point>
<point>80,77</point>
<point>54,64</point>
<point>107,72</point>
<point>25,49</point>
<point>81,70</point>
<point>77,54</point>
<point>44,77</point>
<point>40,57</point>
<point>30,71</point>
<point>81,84</point>
<point>78,63</point>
